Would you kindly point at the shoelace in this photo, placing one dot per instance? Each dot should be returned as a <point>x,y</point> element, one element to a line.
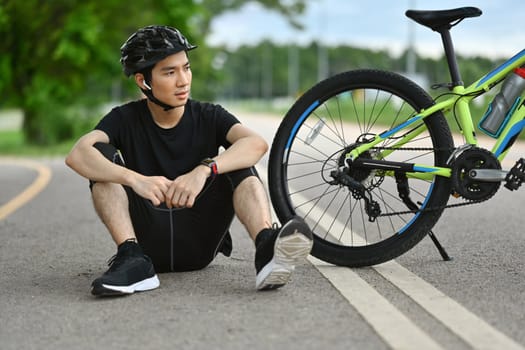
<point>112,260</point>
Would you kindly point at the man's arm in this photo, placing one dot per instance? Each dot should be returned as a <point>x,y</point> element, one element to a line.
<point>247,148</point>
<point>88,162</point>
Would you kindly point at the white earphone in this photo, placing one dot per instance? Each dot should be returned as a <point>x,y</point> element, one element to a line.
<point>146,85</point>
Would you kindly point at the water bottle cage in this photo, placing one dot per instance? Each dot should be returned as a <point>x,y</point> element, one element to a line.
<point>504,122</point>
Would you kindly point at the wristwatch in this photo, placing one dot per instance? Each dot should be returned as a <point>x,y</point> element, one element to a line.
<point>210,163</point>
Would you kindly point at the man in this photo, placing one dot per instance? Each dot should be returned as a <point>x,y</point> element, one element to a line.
<point>162,188</point>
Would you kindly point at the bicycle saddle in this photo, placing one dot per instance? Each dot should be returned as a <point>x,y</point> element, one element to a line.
<point>442,19</point>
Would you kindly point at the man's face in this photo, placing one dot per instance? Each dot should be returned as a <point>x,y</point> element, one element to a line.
<point>171,79</point>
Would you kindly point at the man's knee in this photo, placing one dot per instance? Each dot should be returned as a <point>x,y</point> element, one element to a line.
<point>105,187</point>
<point>111,153</point>
<point>107,192</point>
<point>249,183</point>
<point>249,190</point>
<point>238,176</point>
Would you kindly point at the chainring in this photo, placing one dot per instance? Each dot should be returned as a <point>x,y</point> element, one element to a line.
<point>463,184</point>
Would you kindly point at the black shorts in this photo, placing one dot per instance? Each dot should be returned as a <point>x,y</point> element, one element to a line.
<point>188,238</point>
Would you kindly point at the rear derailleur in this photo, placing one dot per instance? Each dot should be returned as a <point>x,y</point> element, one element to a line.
<point>358,190</point>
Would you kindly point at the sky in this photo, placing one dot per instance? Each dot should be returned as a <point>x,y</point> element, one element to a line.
<point>379,24</point>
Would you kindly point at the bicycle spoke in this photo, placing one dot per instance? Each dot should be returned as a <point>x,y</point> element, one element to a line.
<point>348,205</point>
<point>308,174</point>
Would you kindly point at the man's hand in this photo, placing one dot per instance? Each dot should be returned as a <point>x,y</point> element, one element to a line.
<point>184,189</point>
<point>152,188</point>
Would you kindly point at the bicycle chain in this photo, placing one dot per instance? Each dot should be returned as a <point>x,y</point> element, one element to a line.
<point>442,207</point>
<point>432,209</point>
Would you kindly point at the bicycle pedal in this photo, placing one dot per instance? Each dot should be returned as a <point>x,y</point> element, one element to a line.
<point>516,175</point>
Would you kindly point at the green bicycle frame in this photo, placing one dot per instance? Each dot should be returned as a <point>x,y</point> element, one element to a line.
<point>461,103</point>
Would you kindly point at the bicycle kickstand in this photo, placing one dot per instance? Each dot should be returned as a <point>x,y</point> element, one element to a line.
<point>404,194</point>
<point>439,247</point>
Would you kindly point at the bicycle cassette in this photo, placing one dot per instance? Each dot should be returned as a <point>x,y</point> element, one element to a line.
<point>462,166</point>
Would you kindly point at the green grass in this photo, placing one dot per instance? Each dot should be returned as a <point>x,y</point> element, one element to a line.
<point>12,143</point>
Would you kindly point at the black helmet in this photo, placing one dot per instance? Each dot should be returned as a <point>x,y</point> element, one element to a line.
<point>150,45</point>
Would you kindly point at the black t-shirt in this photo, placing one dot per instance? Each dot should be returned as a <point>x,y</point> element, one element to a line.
<point>153,151</point>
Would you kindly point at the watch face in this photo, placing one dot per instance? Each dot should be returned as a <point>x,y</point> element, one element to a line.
<point>210,163</point>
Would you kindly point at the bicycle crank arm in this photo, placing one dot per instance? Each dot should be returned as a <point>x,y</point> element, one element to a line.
<point>488,175</point>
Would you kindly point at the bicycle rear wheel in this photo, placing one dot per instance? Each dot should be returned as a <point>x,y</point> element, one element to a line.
<point>323,125</point>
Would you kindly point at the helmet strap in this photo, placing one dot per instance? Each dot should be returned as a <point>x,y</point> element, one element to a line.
<point>149,95</point>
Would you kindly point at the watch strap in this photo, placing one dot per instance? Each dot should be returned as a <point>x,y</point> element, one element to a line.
<point>210,163</point>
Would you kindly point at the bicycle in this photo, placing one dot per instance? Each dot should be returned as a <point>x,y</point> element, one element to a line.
<point>367,157</point>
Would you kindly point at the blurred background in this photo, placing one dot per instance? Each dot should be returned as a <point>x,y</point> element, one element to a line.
<point>60,70</point>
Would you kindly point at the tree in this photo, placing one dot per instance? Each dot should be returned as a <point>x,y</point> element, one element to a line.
<point>66,56</point>
<point>61,54</point>
<point>213,8</point>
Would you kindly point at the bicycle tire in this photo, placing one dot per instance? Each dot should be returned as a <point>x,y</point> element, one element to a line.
<point>303,152</point>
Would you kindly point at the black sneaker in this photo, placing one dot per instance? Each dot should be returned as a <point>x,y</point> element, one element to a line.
<point>278,251</point>
<point>130,271</point>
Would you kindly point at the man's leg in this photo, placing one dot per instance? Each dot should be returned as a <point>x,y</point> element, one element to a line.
<point>252,206</point>
<point>111,204</point>
<point>130,270</point>
<point>278,251</point>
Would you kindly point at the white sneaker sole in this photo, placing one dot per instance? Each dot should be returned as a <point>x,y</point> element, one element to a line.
<point>144,285</point>
<point>289,251</point>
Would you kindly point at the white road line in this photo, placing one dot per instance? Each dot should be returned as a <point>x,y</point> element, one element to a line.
<point>397,330</point>
<point>466,325</point>
<point>389,323</point>
<point>469,327</point>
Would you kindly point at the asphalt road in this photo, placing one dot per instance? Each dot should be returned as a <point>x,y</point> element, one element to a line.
<point>52,247</point>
